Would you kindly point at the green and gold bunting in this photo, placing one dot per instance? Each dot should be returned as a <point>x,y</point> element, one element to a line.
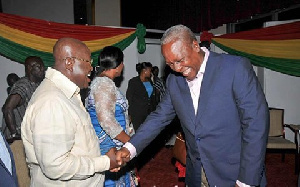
<point>276,47</point>
<point>21,37</point>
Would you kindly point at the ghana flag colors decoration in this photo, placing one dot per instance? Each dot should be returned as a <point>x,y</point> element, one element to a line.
<point>276,47</point>
<point>23,36</point>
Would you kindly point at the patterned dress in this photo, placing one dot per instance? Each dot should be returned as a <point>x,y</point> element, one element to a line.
<point>108,108</point>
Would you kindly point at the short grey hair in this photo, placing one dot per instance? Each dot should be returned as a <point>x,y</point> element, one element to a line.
<point>178,32</point>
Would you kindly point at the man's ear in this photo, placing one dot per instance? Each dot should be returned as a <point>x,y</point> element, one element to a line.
<point>196,45</point>
<point>69,64</point>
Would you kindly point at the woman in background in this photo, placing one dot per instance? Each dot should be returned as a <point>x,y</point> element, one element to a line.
<point>141,95</point>
<point>142,98</point>
<point>108,108</point>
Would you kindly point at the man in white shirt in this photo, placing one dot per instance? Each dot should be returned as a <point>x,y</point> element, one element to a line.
<point>61,146</point>
<point>222,110</point>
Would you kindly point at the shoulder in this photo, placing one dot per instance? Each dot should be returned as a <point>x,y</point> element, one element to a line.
<point>102,83</point>
<point>48,92</point>
<point>226,57</point>
<point>21,83</point>
<point>23,87</point>
<point>48,102</point>
<point>228,61</point>
<point>134,80</point>
<point>137,78</point>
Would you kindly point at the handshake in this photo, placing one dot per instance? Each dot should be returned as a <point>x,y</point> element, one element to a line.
<point>118,158</point>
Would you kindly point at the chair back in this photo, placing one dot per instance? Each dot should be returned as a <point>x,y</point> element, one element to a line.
<point>276,122</point>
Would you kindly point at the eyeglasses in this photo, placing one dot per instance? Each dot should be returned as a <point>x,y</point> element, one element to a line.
<point>84,60</point>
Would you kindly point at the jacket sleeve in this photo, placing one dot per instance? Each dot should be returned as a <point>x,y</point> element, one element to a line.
<point>254,114</point>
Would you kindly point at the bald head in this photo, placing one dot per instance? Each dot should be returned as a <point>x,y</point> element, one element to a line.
<point>72,58</point>
<point>67,47</point>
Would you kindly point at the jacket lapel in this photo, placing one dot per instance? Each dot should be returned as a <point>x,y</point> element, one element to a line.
<point>208,83</point>
<point>186,98</point>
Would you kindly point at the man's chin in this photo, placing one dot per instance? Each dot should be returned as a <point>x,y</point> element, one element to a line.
<point>189,77</point>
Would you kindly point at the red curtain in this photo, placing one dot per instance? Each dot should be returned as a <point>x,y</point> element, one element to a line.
<point>199,15</point>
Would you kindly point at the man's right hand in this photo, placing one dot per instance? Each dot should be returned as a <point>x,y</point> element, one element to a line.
<point>114,166</point>
<point>122,155</point>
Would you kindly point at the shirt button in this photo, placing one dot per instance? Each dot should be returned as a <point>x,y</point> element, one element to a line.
<point>198,139</point>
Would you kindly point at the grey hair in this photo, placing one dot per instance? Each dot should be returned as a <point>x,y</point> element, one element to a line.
<point>178,32</point>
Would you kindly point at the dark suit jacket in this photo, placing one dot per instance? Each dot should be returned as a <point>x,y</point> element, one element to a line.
<point>229,132</point>
<point>140,105</point>
<point>6,178</point>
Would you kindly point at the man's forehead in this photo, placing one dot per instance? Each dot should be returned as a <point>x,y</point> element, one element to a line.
<point>176,47</point>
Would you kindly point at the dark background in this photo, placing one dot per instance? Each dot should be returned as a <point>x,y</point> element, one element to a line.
<point>200,15</point>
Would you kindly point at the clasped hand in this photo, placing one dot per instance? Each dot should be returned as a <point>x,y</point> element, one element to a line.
<point>118,158</point>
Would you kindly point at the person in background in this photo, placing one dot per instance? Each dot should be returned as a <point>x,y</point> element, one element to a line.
<point>141,95</point>
<point>20,94</point>
<point>14,110</point>
<point>143,98</point>
<point>222,109</point>
<point>108,109</point>
<point>7,165</point>
<point>11,79</point>
<point>61,145</point>
<point>158,83</point>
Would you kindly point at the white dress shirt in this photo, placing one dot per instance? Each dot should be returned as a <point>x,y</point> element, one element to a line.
<point>60,142</point>
<point>195,85</point>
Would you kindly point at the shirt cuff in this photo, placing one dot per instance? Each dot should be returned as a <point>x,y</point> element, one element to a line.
<point>102,163</point>
<point>131,149</point>
<point>240,184</point>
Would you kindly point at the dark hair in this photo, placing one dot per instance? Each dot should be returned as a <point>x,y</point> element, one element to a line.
<point>109,58</point>
<point>155,68</point>
<point>12,78</point>
<point>142,65</point>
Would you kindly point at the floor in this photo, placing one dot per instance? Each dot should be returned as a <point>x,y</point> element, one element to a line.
<point>161,172</point>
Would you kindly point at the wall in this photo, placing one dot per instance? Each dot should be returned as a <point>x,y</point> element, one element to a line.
<point>130,60</point>
<point>107,18</point>
<point>153,55</point>
<point>283,91</point>
<point>48,10</point>
<point>7,67</point>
